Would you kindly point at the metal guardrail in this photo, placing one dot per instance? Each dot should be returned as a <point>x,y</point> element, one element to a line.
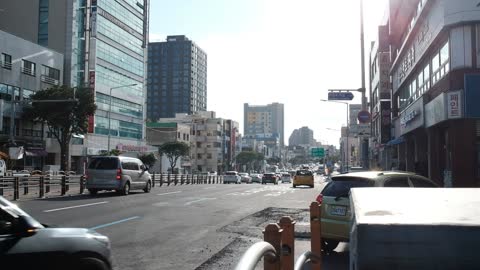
<point>185,179</point>
<point>280,237</point>
<point>254,254</point>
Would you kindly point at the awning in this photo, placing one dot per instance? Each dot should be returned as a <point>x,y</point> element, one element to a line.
<point>396,141</point>
<point>36,153</point>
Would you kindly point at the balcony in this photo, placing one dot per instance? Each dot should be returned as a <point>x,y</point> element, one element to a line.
<point>49,80</point>
<point>28,71</point>
<point>6,65</point>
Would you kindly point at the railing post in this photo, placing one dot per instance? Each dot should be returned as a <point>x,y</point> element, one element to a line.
<point>161,179</point>
<point>82,184</point>
<point>47,184</point>
<point>153,180</point>
<point>273,235</point>
<point>288,242</point>
<point>63,185</point>
<point>16,188</point>
<point>315,230</point>
<point>182,179</point>
<point>25,185</point>
<point>188,179</point>
<point>41,191</point>
<point>67,180</point>
<point>176,179</point>
<point>1,185</point>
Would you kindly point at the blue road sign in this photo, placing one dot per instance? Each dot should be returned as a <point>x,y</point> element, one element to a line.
<point>340,96</point>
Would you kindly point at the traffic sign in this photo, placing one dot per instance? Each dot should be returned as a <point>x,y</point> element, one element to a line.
<point>318,152</point>
<point>363,117</point>
<point>340,96</point>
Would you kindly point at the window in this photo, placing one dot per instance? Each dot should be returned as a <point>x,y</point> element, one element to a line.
<point>440,63</point>
<point>51,72</point>
<point>419,182</point>
<point>397,182</point>
<point>6,61</point>
<point>7,222</point>
<point>28,68</point>
<point>199,156</point>
<point>209,155</point>
<point>103,163</point>
<point>43,23</point>
<point>26,93</point>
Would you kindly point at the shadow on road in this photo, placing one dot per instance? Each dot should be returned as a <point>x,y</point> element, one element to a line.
<point>87,196</point>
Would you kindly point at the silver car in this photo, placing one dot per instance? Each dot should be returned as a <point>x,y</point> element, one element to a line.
<point>117,173</point>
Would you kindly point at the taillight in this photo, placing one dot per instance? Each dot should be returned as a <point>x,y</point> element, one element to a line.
<point>119,174</point>
<point>320,198</point>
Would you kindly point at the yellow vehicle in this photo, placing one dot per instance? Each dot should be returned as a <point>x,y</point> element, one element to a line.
<point>335,201</point>
<point>303,177</point>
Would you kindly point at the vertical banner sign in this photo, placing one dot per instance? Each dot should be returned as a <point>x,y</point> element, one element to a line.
<point>91,84</point>
<point>454,105</point>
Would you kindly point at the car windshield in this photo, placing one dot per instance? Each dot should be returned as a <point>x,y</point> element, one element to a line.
<point>230,173</point>
<point>341,187</point>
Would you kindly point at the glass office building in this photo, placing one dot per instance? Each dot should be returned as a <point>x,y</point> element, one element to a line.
<point>177,78</point>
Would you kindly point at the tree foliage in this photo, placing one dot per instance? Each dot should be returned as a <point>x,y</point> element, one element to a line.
<point>173,151</point>
<point>113,152</point>
<point>148,159</point>
<point>65,117</point>
<point>250,158</point>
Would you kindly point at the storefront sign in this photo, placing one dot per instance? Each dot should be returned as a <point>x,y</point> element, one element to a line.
<point>435,111</point>
<point>412,117</point>
<point>454,105</point>
<point>131,148</point>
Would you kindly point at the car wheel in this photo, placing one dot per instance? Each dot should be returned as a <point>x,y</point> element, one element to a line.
<point>311,186</point>
<point>329,245</point>
<point>294,186</point>
<point>126,189</point>
<point>148,187</point>
<point>90,263</point>
<point>92,191</point>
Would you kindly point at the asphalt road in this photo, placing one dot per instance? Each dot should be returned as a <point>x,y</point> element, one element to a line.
<point>178,227</point>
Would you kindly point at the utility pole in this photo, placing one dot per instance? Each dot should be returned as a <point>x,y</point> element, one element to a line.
<point>363,141</point>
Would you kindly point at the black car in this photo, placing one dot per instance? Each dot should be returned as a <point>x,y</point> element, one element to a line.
<point>27,244</point>
<point>270,178</point>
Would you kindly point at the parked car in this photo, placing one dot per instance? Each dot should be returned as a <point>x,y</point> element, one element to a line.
<point>256,178</point>
<point>286,178</point>
<point>117,173</point>
<point>335,202</point>
<point>232,177</point>
<point>303,177</point>
<point>269,178</point>
<point>27,244</point>
<point>245,178</point>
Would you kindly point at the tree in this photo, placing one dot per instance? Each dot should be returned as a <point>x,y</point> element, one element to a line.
<point>173,151</point>
<point>113,152</point>
<point>249,158</point>
<point>64,117</point>
<point>148,159</point>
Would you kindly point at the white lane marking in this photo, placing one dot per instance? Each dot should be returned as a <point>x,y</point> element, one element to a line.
<point>166,193</point>
<point>200,200</point>
<point>161,204</point>
<point>210,187</point>
<point>75,206</point>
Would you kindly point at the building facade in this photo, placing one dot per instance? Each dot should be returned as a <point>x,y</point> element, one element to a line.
<point>212,147</point>
<point>25,68</point>
<point>177,78</point>
<point>301,136</point>
<point>264,119</point>
<point>380,98</point>
<point>105,47</point>
<point>435,78</point>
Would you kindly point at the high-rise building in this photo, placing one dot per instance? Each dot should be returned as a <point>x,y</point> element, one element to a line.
<point>264,119</point>
<point>301,136</point>
<point>177,78</point>
<point>104,43</point>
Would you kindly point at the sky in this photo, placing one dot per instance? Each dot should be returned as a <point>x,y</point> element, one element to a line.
<point>264,51</point>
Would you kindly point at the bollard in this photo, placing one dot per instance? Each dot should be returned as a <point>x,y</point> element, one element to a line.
<point>41,192</point>
<point>63,185</point>
<point>315,230</point>
<point>176,179</point>
<point>47,184</point>
<point>82,184</point>
<point>188,179</point>
<point>168,179</point>
<point>153,180</point>
<point>288,242</point>
<point>273,235</point>
<point>67,186</point>
<point>161,179</point>
<point>16,188</point>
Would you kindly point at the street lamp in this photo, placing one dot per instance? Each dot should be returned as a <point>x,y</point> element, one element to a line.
<point>110,111</point>
<point>347,153</point>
